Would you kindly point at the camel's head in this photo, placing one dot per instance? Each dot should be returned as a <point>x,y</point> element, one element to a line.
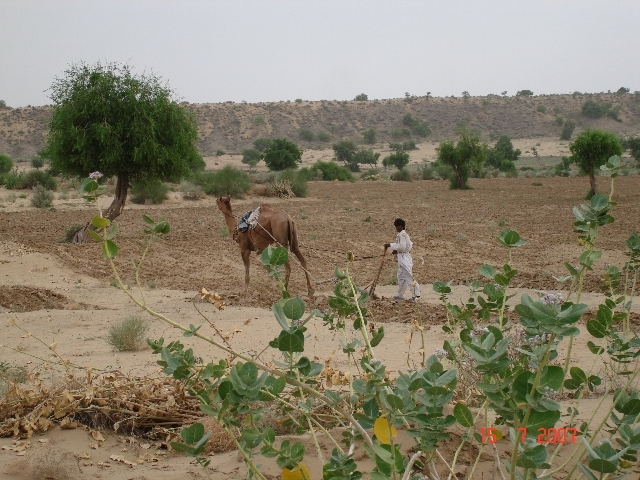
<point>224,204</point>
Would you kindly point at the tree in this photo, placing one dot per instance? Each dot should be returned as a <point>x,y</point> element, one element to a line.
<point>282,154</point>
<point>502,155</point>
<point>261,144</point>
<point>109,120</point>
<point>467,154</point>
<point>524,93</point>
<point>622,91</point>
<point>6,164</point>
<point>362,97</point>
<point>399,160</point>
<point>364,156</point>
<point>466,94</point>
<point>344,151</point>
<point>591,149</point>
<point>634,147</point>
<point>369,136</point>
<point>567,130</point>
<point>251,157</point>
<point>595,110</point>
<point>3,104</point>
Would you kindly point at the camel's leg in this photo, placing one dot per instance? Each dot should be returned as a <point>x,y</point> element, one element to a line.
<point>246,259</point>
<point>287,274</point>
<point>296,251</point>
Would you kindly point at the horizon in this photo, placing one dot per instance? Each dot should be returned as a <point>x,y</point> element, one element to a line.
<point>274,51</point>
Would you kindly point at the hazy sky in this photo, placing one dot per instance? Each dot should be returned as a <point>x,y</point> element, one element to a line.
<point>269,50</point>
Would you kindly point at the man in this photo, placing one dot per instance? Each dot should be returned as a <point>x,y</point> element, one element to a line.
<point>401,248</point>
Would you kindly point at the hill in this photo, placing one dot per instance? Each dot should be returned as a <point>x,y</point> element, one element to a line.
<point>234,126</point>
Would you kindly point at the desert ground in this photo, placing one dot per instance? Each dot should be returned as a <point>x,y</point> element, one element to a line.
<point>52,292</point>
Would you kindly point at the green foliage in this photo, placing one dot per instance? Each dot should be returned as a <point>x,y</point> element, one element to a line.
<point>563,168</point>
<point>6,164</point>
<point>251,157</point>
<point>41,197</point>
<point>344,151</point>
<point>361,97</point>
<point>69,233</point>
<point>462,157</point>
<point>37,162</point>
<point>128,335</point>
<point>502,155</point>
<point>153,190</point>
<point>399,159</point>
<point>3,104</point>
<point>428,172</point>
<point>38,177</point>
<point>323,136</point>
<point>261,144</point>
<point>633,144</point>
<point>622,91</point>
<point>12,180</point>
<point>107,119</point>
<point>369,136</point>
<point>524,93</point>
<point>409,145</point>
<point>281,154</point>
<point>559,120</point>
<point>541,109</point>
<point>306,134</point>
<point>466,94</point>
<point>593,109</point>
<point>258,120</point>
<point>332,171</point>
<point>401,176</point>
<point>229,181</point>
<point>219,153</point>
<point>408,120</point>
<point>297,180</point>
<point>567,130</point>
<point>591,149</point>
<point>421,129</point>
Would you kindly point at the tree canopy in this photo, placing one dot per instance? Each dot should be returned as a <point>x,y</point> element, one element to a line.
<point>251,157</point>
<point>347,152</point>
<point>282,154</point>
<point>399,159</point>
<point>468,153</point>
<point>591,149</point>
<point>502,155</point>
<point>107,119</point>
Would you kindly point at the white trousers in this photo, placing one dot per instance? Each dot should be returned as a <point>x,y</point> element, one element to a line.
<point>405,279</point>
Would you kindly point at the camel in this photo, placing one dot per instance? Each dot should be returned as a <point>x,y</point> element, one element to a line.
<point>274,227</point>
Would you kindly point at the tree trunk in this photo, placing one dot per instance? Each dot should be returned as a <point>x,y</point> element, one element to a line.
<point>592,181</point>
<point>115,209</point>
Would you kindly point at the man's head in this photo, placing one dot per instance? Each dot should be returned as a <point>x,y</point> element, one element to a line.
<point>399,224</point>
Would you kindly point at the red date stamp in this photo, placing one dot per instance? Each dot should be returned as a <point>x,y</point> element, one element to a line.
<point>545,435</point>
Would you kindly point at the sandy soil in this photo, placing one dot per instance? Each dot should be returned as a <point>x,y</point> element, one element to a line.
<point>61,293</point>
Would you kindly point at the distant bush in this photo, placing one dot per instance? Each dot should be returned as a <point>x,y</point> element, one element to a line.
<point>428,173</point>
<point>395,146</point>
<point>524,93</point>
<point>369,136</point>
<point>541,109</point>
<point>306,134</point>
<point>397,133</point>
<point>259,120</point>
<point>6,164</point>
<point>37,162</point>
<point>567,130</point>
<point>153,190</point>
<point>323,136</point>
<point>228,181</point>
<point>593,109</point>
<point>563,168</point>
<point>261,144</point>
<point>332,171</point>
<point>282,154</point>
<point>297,181</point>
<point>298,100</point>
<point>613,113</point>
<point>372,173</point>
<point>362,97</point>
<point>399,160</point>
<point>128,335</point>
<point>12,180</point>
<point>622,91</point>
<point>41,197</point>
<point>401,176</point>
<point>408,120</point>
<point>421,129</point>
<point>409,145</point>
<point>219,153</point>
<point>559,120</point>
<point>38,177</point>
<point>443,170</point>
<point>251,157</point>
<point>191,191</point>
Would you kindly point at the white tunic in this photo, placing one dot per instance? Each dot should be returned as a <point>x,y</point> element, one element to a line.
<point>403,245</point>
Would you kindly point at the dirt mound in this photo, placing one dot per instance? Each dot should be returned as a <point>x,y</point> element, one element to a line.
<point>29,299</point>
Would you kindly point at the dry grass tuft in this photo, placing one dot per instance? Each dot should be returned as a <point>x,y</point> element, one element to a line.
<point>45,463</point>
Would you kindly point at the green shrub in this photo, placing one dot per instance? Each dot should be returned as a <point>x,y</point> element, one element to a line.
<point>361,97</point>
<point>369,136</point>
<point>567,130</point>
<point>69,233</point>
<point>228,181</point>
<point>306,134</point>
<point>323,136</point>
<point>41,197</point>
<point>259,120</point>
<point>421,129</point>
<point>524,93</point>
<point>595,110</point>
<point>251,157</point>
<point>153,190</point>
<point>371,174</point>
<point>401,176</point>
<point>332,171</point>
<point>541,109</point>
<point>12,180</point>
<point>396,133</point>
<point>297,180</point>
<point>395,146</point>
<point>37,162</point>
<point>409,145</point>
<point>128,335</point>
<point>219,153</point>
<point>443,170</point>
<point>428,173</point>
<point>6,164</point>
<point>261,144</point>
<point>559,120</point>
<point>38,177</point>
